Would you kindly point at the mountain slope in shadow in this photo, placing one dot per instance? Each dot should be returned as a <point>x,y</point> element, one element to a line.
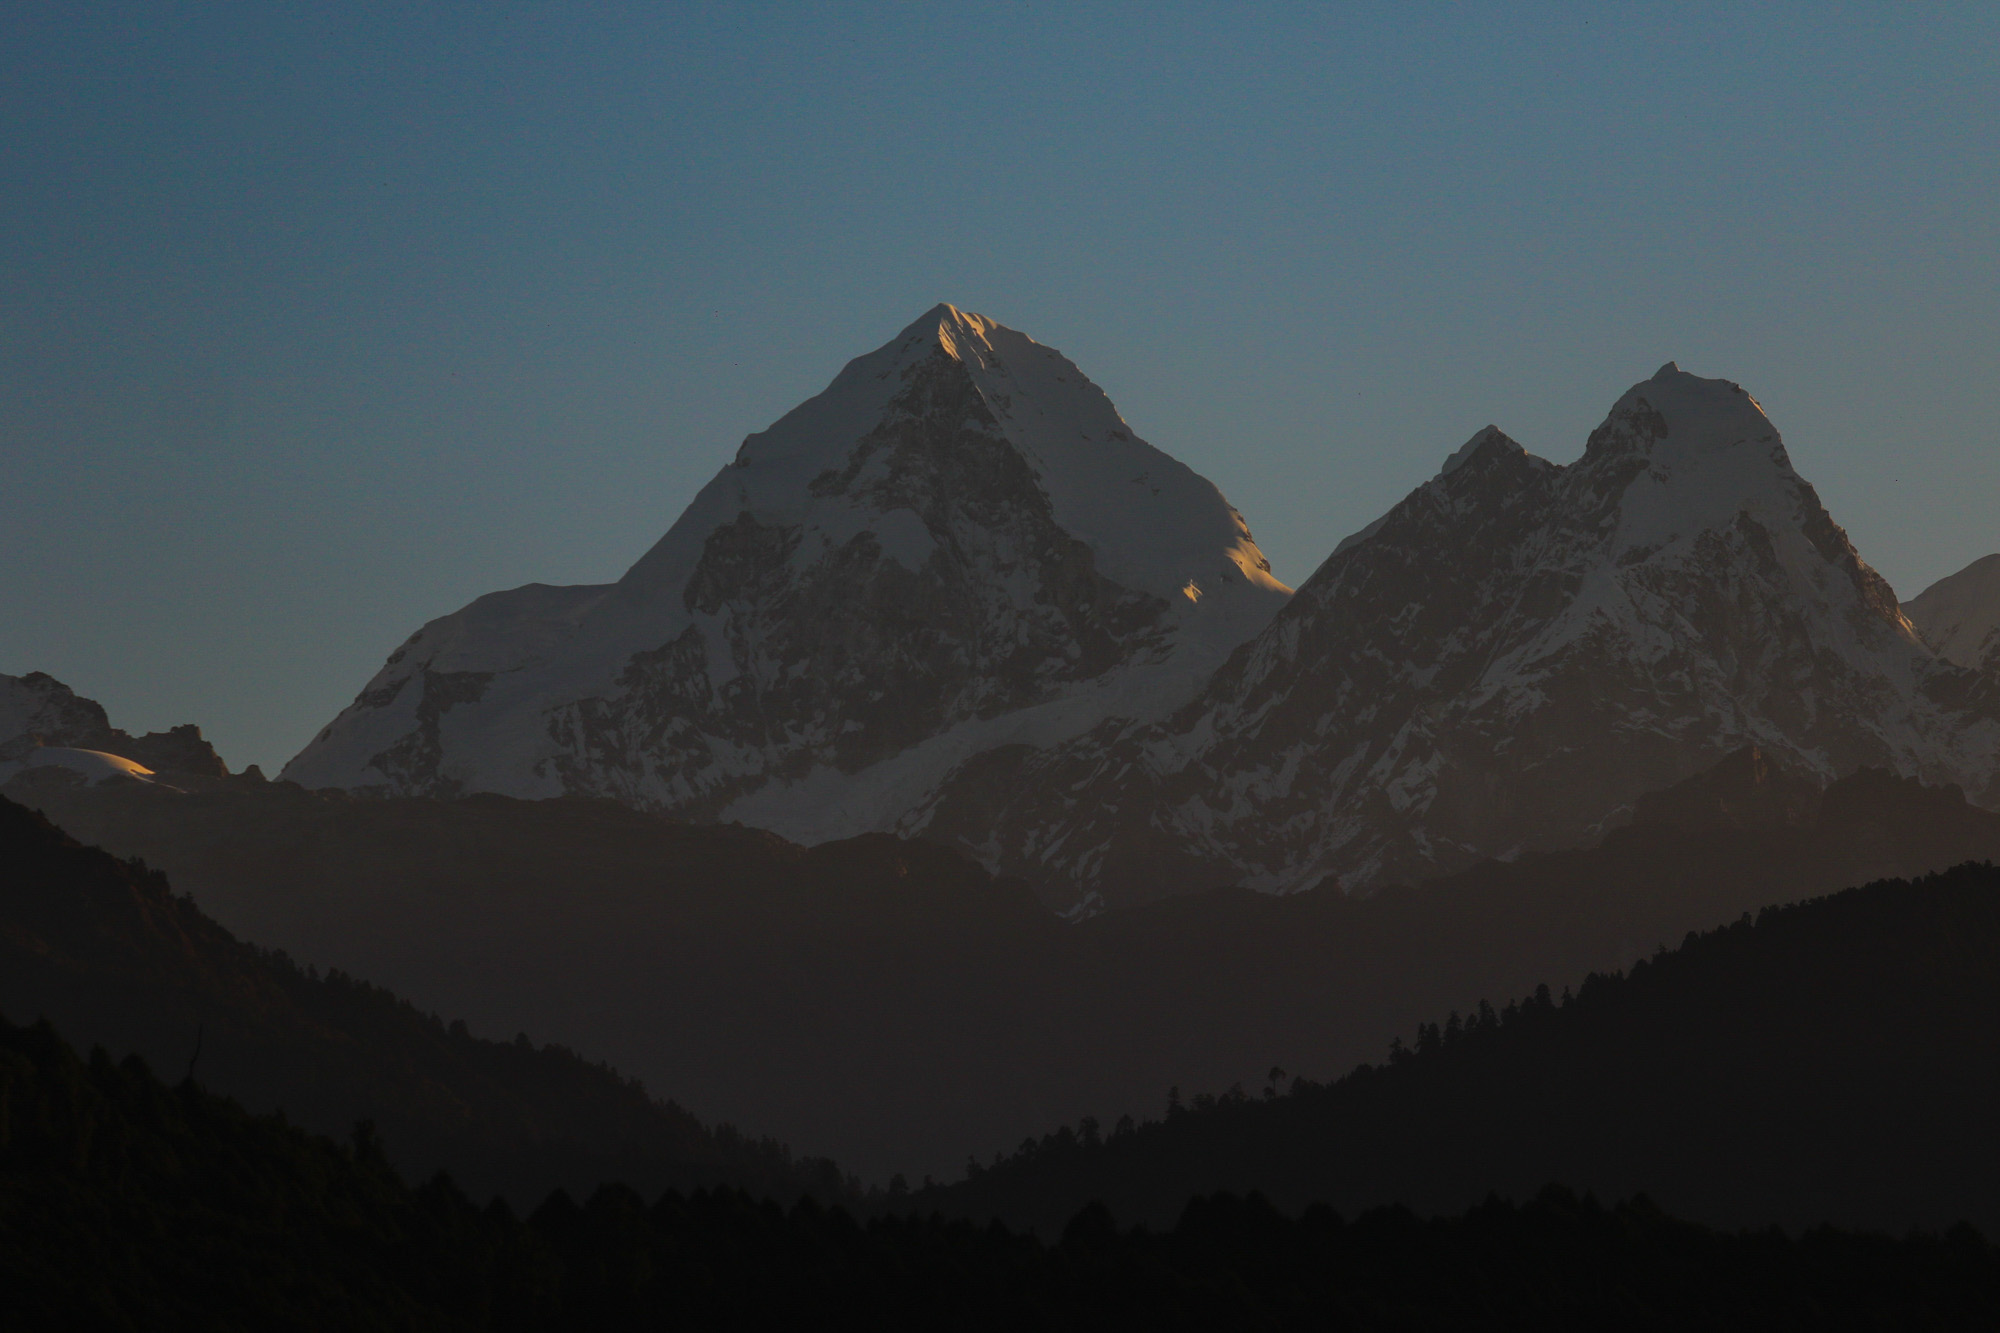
<point>111,956</point>
<point>127,1204</point>
<point>890,1005</point>
<point>1833,1060</point>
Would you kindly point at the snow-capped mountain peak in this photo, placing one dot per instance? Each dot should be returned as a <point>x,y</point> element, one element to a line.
<point>959,543</point>
<point>1507,659</point>
<point>1686,455</point>
<point>1485,438</point>
<point>954,595</point>
<point>1959,615</point>
<point>1152,524</point>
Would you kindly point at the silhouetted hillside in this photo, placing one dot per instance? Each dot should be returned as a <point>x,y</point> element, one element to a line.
<point>1837,1059</point>
<point>106,951</point>
<point>126,1204</point>
<point>868,994</point>
<point>890,1005</point>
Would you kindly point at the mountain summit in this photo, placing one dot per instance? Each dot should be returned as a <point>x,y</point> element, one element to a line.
<point>958,545</point>
<point>1504,662</point>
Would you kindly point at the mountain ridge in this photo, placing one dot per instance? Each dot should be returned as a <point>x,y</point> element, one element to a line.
<point>1502,663</point>
<point>1829,1060</point>
<point>39,711</point>
<point>112,956</point>
<point>891,1005</point>
<point>953,597</point>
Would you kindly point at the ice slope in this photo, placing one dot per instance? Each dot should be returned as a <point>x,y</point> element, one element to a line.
<point>93,766</point>
<point>1505,661</point>
<point>957,545</point>
<point>1959,615</point>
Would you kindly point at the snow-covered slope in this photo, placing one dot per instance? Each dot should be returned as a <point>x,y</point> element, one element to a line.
<point>93,766</point>
<point>1506,661</point>
<point>958,546</point>
<point>1959,615</point>
<point>37,710</point>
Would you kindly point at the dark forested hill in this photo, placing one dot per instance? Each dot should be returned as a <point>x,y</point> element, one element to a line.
<point>1833,1060</point>
<point>111,955</point>
<point>890,1005</point>
<point>127,1204</point>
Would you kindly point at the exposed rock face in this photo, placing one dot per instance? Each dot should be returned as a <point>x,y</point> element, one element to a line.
<point>1505,662</point>
<point>1959,615</point>
<point>958,547</point>
<point>39,710</point>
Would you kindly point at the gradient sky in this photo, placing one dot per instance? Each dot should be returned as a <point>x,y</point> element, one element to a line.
<point>317,321</point>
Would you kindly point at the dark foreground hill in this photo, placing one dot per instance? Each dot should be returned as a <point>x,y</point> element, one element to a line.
<point>127,1204</point>
<point>1833,1060</point>
<point>104,949</point>
<point>890,1005</point>
<point>860,992</point>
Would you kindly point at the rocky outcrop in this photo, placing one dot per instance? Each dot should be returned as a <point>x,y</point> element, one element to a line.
<point>38,710</point>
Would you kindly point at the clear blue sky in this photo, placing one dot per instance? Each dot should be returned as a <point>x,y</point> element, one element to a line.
<point>317,321</point>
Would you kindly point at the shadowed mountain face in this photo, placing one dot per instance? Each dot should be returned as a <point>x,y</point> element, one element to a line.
<point>107,952</point>
<point>958,545</point>
<point>891,1005</point>
<point>1503,663</point>
<point>1836,1061</point>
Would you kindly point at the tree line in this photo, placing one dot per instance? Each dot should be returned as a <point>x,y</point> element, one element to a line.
<point>126,1203</point>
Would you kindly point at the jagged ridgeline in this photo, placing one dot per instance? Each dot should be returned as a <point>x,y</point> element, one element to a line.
<point>1505,661</point>
<point>44,723</point>
<point>953,597</point>
<point>959,546</point>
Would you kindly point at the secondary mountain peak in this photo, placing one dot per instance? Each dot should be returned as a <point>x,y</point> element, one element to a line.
<point>1959,615</point>
<point>1507,659</point>
<point>1677,417</point>
<point>1485,439</point>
